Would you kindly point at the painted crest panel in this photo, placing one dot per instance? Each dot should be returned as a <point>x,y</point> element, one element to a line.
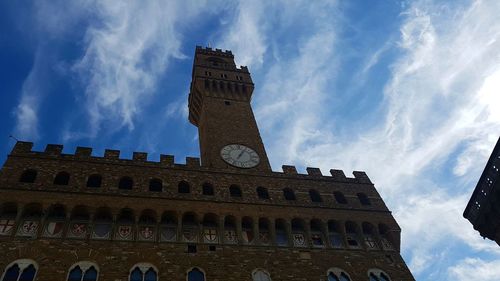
<point>53,229</point>
<point>230,237</point>
<point>247,235</point>
<point>77,230</point>
<point>299,240</point>
<point>281,238</point>
<point>146,233</point>
<point>210,235</point>
<point>28,228</point>
<point>102,231</point>
<point>190,234</point>
<point>264,237</point>
<point>168,233</point>
<point>124,232</point>
<point>6,226</point>
<point>317,240</point>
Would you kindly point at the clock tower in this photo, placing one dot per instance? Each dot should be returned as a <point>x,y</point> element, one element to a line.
<point>219,105</point>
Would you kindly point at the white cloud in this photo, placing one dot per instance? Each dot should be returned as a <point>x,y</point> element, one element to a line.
<point>26,112</point>
<point>245,35</point>
<point>441,101</point>
<point>127,49</point>
<point>26,118</point>
<point>475,269</point>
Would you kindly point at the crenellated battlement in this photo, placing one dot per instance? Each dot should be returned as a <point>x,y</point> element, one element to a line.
<point>139,158</point>
<point>217,52</point>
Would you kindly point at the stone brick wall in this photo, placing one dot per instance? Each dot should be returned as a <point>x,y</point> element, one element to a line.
<point>220,260</point>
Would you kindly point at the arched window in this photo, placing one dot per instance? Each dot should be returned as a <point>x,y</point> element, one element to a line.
<point>195,274</point>
<point>207,189</point>
<point>55,221</point>
<point>337,274</point>
<point>262,192</point>
<point>8,214</point>
<point>264,236</point>
<point>125,225</point>
<point>20,270</point>
<point>126,183</point>
<point>336,239</point>
<point>363,199</point>
<point>210,227</point>
<point>369,232</point>
<point>79,221</point>
<point>378,275</point>
<point>143,272</point>
<point>315,197</point>
<point>103,222</point>
<point>317,239</point>
<point>351,231</point>
<point>168,226</point>
<point>298,233</point>
<point>62,178</point>
<point>94,181</point>
<point>83,271</point>
<point>146,229</point>
<point>235,191</point>
<point>230,235</point>
<point>155,185</point>
<point>385,237</point>
<point>247,230</point>
<point>339,197</point>
<point>288,194</point>
<point>28,176</point>
<point>30,222</point>
<point>260,275</point>
<point>183,187</point>
<point>190,228</point>
<point>281,233</point>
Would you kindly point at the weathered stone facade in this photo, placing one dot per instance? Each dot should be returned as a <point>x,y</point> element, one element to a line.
<point>59,209</point>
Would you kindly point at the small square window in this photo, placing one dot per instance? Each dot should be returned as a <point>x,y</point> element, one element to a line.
<point>191,248</point>
<point>212,248</point>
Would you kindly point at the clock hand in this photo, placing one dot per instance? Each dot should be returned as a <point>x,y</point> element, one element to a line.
<point>239,155</point>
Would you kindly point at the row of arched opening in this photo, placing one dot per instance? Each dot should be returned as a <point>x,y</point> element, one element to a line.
<point>172,226</point>
<point>222,86</point>
<point>183,187</point>
<point>26,270</point>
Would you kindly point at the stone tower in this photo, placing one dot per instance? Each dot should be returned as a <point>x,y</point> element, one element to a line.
<point>78,216</point>
<point>219,105</point>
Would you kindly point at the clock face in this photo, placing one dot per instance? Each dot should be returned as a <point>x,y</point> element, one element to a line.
<point>240,156</point>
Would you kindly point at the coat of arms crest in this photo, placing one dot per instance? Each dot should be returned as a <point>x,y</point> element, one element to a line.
<point>168,233</point>
<point>146,232</point>
<point>54,229</point>
<point>299,240</point>
<point>210,235</point>
<point>28,228</point>
<point>6,226</point>
<point>190,234</point>
<point>124,232</point>
<point>230,236</point>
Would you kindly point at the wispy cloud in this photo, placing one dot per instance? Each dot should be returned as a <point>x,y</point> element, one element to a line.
<point>26,112</point>
<point>246,32</point>
<point>126,50</point>
<point>475,269</point>
<point>26,118</point>
<point>441,114</point>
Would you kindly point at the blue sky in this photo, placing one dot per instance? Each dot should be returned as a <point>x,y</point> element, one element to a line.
<point>408,91</point>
